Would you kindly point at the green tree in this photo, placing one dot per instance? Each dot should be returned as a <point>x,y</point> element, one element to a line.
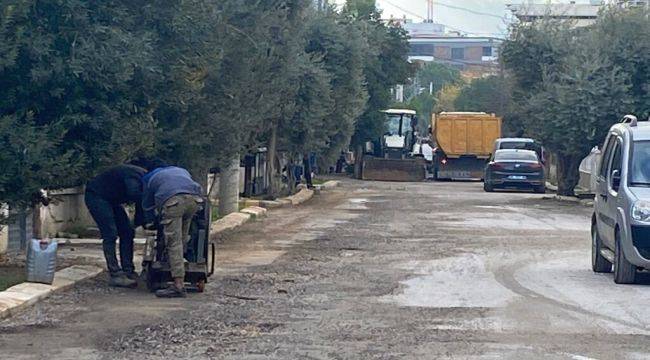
<point>484,94</point>
<point>621,36</point>
<point>385,66</point>
<point>573,93</point>
<point>339,42</point>
<point>67,74</point>
<point>433,76</point>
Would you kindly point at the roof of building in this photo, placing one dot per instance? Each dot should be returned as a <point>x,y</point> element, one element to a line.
<point>454,39</point>
<point>555,10</point>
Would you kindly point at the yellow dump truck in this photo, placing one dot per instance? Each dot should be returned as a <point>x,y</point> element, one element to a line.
<point>463,143</point>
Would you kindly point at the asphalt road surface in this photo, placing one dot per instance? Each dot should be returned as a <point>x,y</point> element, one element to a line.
<point>370,271</point>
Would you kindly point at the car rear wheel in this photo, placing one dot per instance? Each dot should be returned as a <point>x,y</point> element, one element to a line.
<point>488,187</point>
<point>624,271</point>
<point>599,263</point>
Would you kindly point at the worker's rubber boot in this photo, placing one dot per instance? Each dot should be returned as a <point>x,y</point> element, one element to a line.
<point>121,280</point>
<point>171,292</point>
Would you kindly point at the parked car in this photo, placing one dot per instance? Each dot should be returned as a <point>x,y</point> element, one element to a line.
<point>620,225</point>
<point>514,168</point>
<point>521,144</point>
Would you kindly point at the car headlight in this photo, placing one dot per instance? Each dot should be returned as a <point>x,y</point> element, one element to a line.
<point>641,211</point>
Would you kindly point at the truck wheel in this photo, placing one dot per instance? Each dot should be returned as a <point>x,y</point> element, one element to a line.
<point>599,263</point>
<point>624,272</point>
<point>488,187</point>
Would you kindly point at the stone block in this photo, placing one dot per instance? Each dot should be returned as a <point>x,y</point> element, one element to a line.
<point>229,222</point>
<point>330,184</point>
<point>270,204</point>
<point>255,211</point>
<point>300,197</point>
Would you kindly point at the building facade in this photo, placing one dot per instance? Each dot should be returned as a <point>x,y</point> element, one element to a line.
<point>581,14</point>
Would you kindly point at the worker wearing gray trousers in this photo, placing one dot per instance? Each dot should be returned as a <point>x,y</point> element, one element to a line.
<point>170,192</point>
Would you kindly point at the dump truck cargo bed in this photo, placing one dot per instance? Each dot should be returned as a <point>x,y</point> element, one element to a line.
<point>466,134</point>
<point>464,142</point>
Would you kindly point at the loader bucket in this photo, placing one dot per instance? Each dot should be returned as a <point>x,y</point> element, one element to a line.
<point>393,169</point>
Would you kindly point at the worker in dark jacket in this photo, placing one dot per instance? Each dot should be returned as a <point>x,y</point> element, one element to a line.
<point>105,196</point>
<point>172,195</point>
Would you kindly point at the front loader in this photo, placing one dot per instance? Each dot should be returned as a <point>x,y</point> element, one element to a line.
<point>391,158</point>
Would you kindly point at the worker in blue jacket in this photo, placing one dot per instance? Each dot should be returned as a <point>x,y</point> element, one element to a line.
<point>170,193</point>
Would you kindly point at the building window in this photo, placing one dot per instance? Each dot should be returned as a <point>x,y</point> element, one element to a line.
<point>458,54</point>
<point>422,49</point>
<point>487,50</point>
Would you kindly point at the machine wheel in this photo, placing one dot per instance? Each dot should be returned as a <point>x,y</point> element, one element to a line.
<point>200,285</point>
<point>488,187</point>
<point>541,189</point>
<point>150,279</point>
<point>599,263</point>
<point>624,271</point>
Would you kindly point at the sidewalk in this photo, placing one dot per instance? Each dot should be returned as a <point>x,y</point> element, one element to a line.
<point>81,259</point>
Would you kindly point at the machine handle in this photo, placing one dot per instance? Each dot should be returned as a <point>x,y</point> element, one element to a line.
<point>212,257</point>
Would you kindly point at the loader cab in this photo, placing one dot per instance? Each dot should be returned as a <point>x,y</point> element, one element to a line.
<point>400,133</point>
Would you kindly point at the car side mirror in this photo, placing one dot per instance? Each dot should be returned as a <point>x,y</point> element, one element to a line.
<point>616,179</point>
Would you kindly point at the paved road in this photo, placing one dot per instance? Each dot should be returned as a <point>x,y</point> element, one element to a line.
<point>370,271</point>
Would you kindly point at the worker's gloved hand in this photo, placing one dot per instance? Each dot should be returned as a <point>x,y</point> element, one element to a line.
<point>149,226</point>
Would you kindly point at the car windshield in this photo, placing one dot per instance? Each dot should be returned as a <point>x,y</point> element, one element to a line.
<point>640,174</point>
<point>516,145</point>
<point>515,156</point>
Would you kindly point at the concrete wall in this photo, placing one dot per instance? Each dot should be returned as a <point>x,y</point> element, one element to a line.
<point>4,237</point>
<point>67,212</point>
<point>474,53</point>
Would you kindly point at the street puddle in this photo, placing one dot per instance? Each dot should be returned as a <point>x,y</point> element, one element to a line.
<point>354,204</point>
<point>462,281</point>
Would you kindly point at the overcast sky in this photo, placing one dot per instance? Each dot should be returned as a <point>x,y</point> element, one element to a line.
<point>457,19</point>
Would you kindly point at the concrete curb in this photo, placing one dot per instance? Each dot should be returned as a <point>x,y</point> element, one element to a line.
<point>25,294</point>
<point>255,211</point>
<point>571,199</point>
<point>331,184</point>
<point>229,222</point>
<point>301,196</point>
<point>84,241</point>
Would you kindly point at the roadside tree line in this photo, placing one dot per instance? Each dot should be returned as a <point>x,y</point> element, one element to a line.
<point>569,85</point>
<point>87,84</point>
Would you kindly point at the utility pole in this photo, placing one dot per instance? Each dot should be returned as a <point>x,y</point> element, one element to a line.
<point>430,11</point>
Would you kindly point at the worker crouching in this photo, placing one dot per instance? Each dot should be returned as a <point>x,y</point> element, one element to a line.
<point>174,197</point>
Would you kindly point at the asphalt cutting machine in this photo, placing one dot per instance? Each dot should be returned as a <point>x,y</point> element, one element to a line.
<point>199,255</point>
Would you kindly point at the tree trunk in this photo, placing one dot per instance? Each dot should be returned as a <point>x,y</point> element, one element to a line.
<point>274,186</point>
<point>358,162</point>
<point>229,188</point>
<point>568,174</point>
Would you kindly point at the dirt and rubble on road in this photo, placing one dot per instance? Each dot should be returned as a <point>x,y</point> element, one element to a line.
<point>369,271</point>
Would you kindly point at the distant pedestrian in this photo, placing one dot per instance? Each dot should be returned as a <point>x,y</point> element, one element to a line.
<point>340,163</point>
<point>306,164</point>
<point>172,195</point>
<point>105,197</point>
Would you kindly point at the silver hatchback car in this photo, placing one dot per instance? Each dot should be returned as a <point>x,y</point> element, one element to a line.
<point>620,226</point>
